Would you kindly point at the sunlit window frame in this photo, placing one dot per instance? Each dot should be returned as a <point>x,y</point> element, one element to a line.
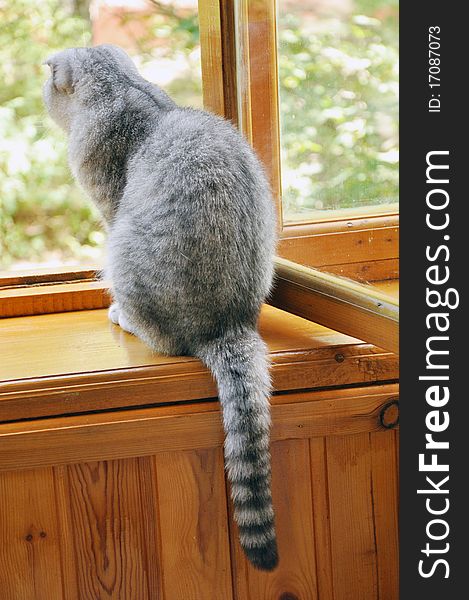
<point>364,248</point>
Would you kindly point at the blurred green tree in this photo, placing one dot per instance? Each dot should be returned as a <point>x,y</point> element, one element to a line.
<point>338,95</point>
<point>339,109</point>
<point>41,210</point>
<point>44,216</point>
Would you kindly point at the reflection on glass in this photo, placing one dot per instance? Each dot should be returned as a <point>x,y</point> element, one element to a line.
<point>45,220</point>
<point>338,77</point>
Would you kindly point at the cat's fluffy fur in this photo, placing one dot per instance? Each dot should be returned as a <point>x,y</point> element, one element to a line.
<point>191,231</point>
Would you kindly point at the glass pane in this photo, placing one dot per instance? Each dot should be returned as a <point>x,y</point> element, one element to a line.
<point>338,77</point>
<point>45,219</point>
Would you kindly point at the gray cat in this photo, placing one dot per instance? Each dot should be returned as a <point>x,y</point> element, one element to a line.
<point>191,239</point>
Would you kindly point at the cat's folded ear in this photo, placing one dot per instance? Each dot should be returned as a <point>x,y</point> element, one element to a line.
<point>62,72</point>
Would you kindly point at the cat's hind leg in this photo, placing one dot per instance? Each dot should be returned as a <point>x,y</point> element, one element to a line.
<point>148,332</point>
<point>118,317</point>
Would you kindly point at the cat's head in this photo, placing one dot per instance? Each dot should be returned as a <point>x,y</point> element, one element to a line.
<point>82,78</point>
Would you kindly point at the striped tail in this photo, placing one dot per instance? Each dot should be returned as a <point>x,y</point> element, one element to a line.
<point>240,368</point>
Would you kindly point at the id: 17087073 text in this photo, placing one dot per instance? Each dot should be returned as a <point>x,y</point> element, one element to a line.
<point>434,62</point>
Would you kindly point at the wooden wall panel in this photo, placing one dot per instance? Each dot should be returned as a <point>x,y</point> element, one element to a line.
<point>354,565</point>
<point>66,534</point>
<point>30,565</point>
<point>195,554</point>
<point>141,432</point>
<point>385,495</point>
<point>106,519</point>
<point>295,577</point>
<point>150,523</point>
<point>321,516</point>
<point>158,526</point>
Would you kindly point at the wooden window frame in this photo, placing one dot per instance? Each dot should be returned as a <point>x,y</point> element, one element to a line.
<point>364,247</point>
<point>231,33</point>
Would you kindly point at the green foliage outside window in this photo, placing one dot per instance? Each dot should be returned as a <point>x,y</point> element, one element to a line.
<point>44,216</point>
<point>338,93</point>
<point>339,109</point>
<point>41,210</point>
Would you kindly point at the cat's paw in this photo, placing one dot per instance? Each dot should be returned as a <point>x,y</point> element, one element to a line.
<point>116,315</point>
<point>113,313</point>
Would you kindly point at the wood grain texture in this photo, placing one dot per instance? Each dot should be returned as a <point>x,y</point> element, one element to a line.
<point>195,555</point>
<point>106,516</point>
<point>86,342</point>
<point>48,275</point>
<point>295,576</point>
<point>318,250</point>
<point>153,386</point>
<point>229,49</point>
<point>112,435</point>
<point>30,564</point>
<point>372,298</point>
<point>211,56</point>
<point>243,71</point>
<point>151,526</point>
<point>381,330</point>
<point>343,224</point>
<point>321,517</point>
<point>354,551</point>
<point>385,512</point>
<point>263,79</point>
<point>66,533</point>
<point>75,362</point>
<point>353,308</point>
<point>157,525</point>
<point>369,272</point>
<point>45,299</point>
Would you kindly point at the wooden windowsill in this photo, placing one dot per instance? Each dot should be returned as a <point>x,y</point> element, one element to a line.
<point>363,311</point>
<point>76,362</point>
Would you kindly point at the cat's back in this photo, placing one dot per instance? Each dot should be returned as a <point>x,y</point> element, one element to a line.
<point>197,170</point>
<point>196,223</point>
<point>197,135</point>
<point>195,151</point>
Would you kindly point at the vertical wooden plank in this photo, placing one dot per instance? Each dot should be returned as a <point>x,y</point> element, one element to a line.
<point>264,88</point>
<point>385,513</point>
<point>66,534</point>
<point>321,518</point>
<point>229,50</point>
<point>351,513</point>
<point>30,567</point>
<point>219,57</point>
<point>295,577</point>
<point>106,519</point>
<point>243,77</point>
<point>193,520</point>
<point>150,526</point>
<point>211,55</point>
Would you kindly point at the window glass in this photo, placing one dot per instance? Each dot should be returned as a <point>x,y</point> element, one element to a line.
<point>338,79</point>
<point>45,219</point>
